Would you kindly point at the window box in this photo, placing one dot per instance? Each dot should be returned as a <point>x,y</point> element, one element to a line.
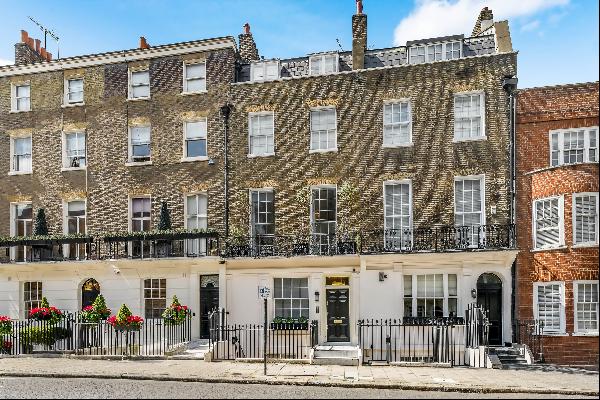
<point>347,247</point>
<point>290,326</point>
<point>301,249</point>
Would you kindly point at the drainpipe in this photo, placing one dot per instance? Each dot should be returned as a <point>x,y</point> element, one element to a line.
<point>225,112</point>
<point>509,84</point>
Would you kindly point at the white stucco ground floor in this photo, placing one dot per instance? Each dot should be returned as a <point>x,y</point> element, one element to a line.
<point>336,291</point>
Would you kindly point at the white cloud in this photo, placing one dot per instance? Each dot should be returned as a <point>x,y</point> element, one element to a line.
<point>531,26</point>
<point>5,62</point>
<point>432,18</point>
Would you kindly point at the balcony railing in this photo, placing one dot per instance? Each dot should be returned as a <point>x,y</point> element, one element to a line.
<point>290,246</point>
<point>438,239</point>
<point>151,245</point>
<point>139,245</point>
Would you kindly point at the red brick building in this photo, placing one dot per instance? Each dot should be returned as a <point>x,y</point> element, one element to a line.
<point>557,214</point>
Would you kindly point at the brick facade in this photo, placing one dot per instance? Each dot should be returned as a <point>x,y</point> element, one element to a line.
<point>540,110</point>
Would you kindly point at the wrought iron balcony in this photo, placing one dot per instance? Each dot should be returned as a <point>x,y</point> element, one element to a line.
<point>438,239</point>
<point>290,246</point>
<point>140,245</point>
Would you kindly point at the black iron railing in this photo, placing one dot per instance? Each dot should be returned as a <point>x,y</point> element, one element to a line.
<point>426,339</point>
<point>71,334</point>
<point>438,239</point>
<point>289,341</point>
<point>530,333</point>
<point>290,246</point>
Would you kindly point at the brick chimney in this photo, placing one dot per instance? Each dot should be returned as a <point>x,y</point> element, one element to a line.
<point>248,50</point>
<point>359,37</point>
<point>143,43</point>
<point>484,21</point>
<point>29,51</point>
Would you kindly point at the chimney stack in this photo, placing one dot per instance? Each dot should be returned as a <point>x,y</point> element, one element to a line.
<point>143,43</point>
<point>248,50</point>
<point>484,21</point>
<point>28,51</point>
<point>359,37</point>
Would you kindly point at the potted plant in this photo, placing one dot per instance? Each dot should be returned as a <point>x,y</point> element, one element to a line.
<point>290,323</point>
<point>96,312</point>
<point>5,325</point>
<point>125,320</point>
<point>175,314</point>
<point>46,313</point>
<point>5,347</point>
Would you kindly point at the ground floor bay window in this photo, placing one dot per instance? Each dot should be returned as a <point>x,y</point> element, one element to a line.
<point>430,295</point>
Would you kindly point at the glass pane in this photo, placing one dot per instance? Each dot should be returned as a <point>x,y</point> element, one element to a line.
<point>196,148</point>
<point>194,130</point>
<point>452,285</point>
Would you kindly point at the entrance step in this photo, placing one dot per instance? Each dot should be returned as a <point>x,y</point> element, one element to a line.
<point>336,355</point>
<point>195,349</point>
<point>509,356</point>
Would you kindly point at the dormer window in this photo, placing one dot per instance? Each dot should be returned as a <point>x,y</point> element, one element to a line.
<point>264,71</point>
<point>323,64</point>
<point>431,52</point>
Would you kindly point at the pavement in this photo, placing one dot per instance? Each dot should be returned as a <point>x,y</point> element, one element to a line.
<point>549,380</point>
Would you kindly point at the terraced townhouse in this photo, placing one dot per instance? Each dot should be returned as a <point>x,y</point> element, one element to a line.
<point>371,183</point>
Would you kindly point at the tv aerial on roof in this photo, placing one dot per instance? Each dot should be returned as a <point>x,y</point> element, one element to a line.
<point>46,33</point>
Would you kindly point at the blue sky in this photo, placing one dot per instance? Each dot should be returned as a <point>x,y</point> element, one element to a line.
<point>557,40</point>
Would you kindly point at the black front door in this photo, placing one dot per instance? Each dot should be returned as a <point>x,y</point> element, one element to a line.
<point>489,296</point>
<point>89,291</point>
<point>338,315</point>
<point>209,300</point>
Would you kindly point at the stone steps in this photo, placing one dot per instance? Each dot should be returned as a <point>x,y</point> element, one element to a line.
<point>336,355</point>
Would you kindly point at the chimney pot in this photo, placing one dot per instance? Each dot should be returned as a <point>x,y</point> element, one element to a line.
<point>247,28</point>
<point>30,43</point>
<point>359,7</point>
<point>43,53</point>
<point>143,43</point>
<point>48,56</point>
<point>24,36</point>
<point>37,45</point>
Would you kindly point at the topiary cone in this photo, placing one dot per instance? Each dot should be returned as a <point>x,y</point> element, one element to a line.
<point>123,313</point>
<point>45,303</point>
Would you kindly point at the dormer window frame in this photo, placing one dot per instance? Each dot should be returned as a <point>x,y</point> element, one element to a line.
<point>322,57</point>
<point>263,65</point>
<point>426,52</point>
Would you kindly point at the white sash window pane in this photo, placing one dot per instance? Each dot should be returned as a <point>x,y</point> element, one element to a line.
<point>396,124</point>
<point>555,151</point>
<point>434,52</point>
<point>549,308</point>
<point>547,223</point>
<point>323,129</point>
<point>261,134</point>
<point>75,150</point>
<point>140,84</point>
<point>315,65</point>
<point>417,55</point>
<point>324,211</point>
<point>195,142</point>
<point>453,50</point>
<point>330,63</point>
<point>323,64</point>
<point>140,213</point>
<point>22,154</point>
<point>75,90</point>
<point>196,218</point>
<point>140,143</point>
<point>586,307</point>
<point>468,198</point>
<point>586,217</point>
<point>468,116</point>
<point>272,70</point>
<point>593,145</point>
<point>22,98</point>
<point>291,297</point>
<point>430,295</point>
<point>195,77</point>
<point>398,218</point>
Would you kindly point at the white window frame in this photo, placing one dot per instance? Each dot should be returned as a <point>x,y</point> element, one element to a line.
<point>482,102</point>
<point>130,161</point>
<point>185,139</point>
<point>13,225</point>
<point>576,329</point>
<point>253,114</point>
<point>13,97</point>
<point>414,291</point>
<point>410,205</point>
<point>193,244</point>
<point>335,116</point>
<point>186,78</point>
<point>561,222</point>
<point>562,329</point>
<point>291,299</point>
<point>12,170</point>
<point>144,298</point>
<point>66,247</point>
<point>65,158</point>
<point>410,124</point>
<point>67,90</point>
<point>130,213</point>
<point>560,142</point>
<point>130,85</point>
<point>252,229</point>
<point>483,218</point>
<point>263,66</point>
<point>574,216</point>
<point>322,58</point>
<point>444,52</point>
<point>39,289</point>
<point>313,234</point>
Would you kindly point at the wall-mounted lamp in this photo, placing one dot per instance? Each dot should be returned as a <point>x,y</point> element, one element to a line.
<point>474,293</point>
<point>382,276</point>
<point>317,296</point>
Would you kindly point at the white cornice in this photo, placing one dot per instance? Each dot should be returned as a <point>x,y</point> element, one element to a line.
<point>119,56</point>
